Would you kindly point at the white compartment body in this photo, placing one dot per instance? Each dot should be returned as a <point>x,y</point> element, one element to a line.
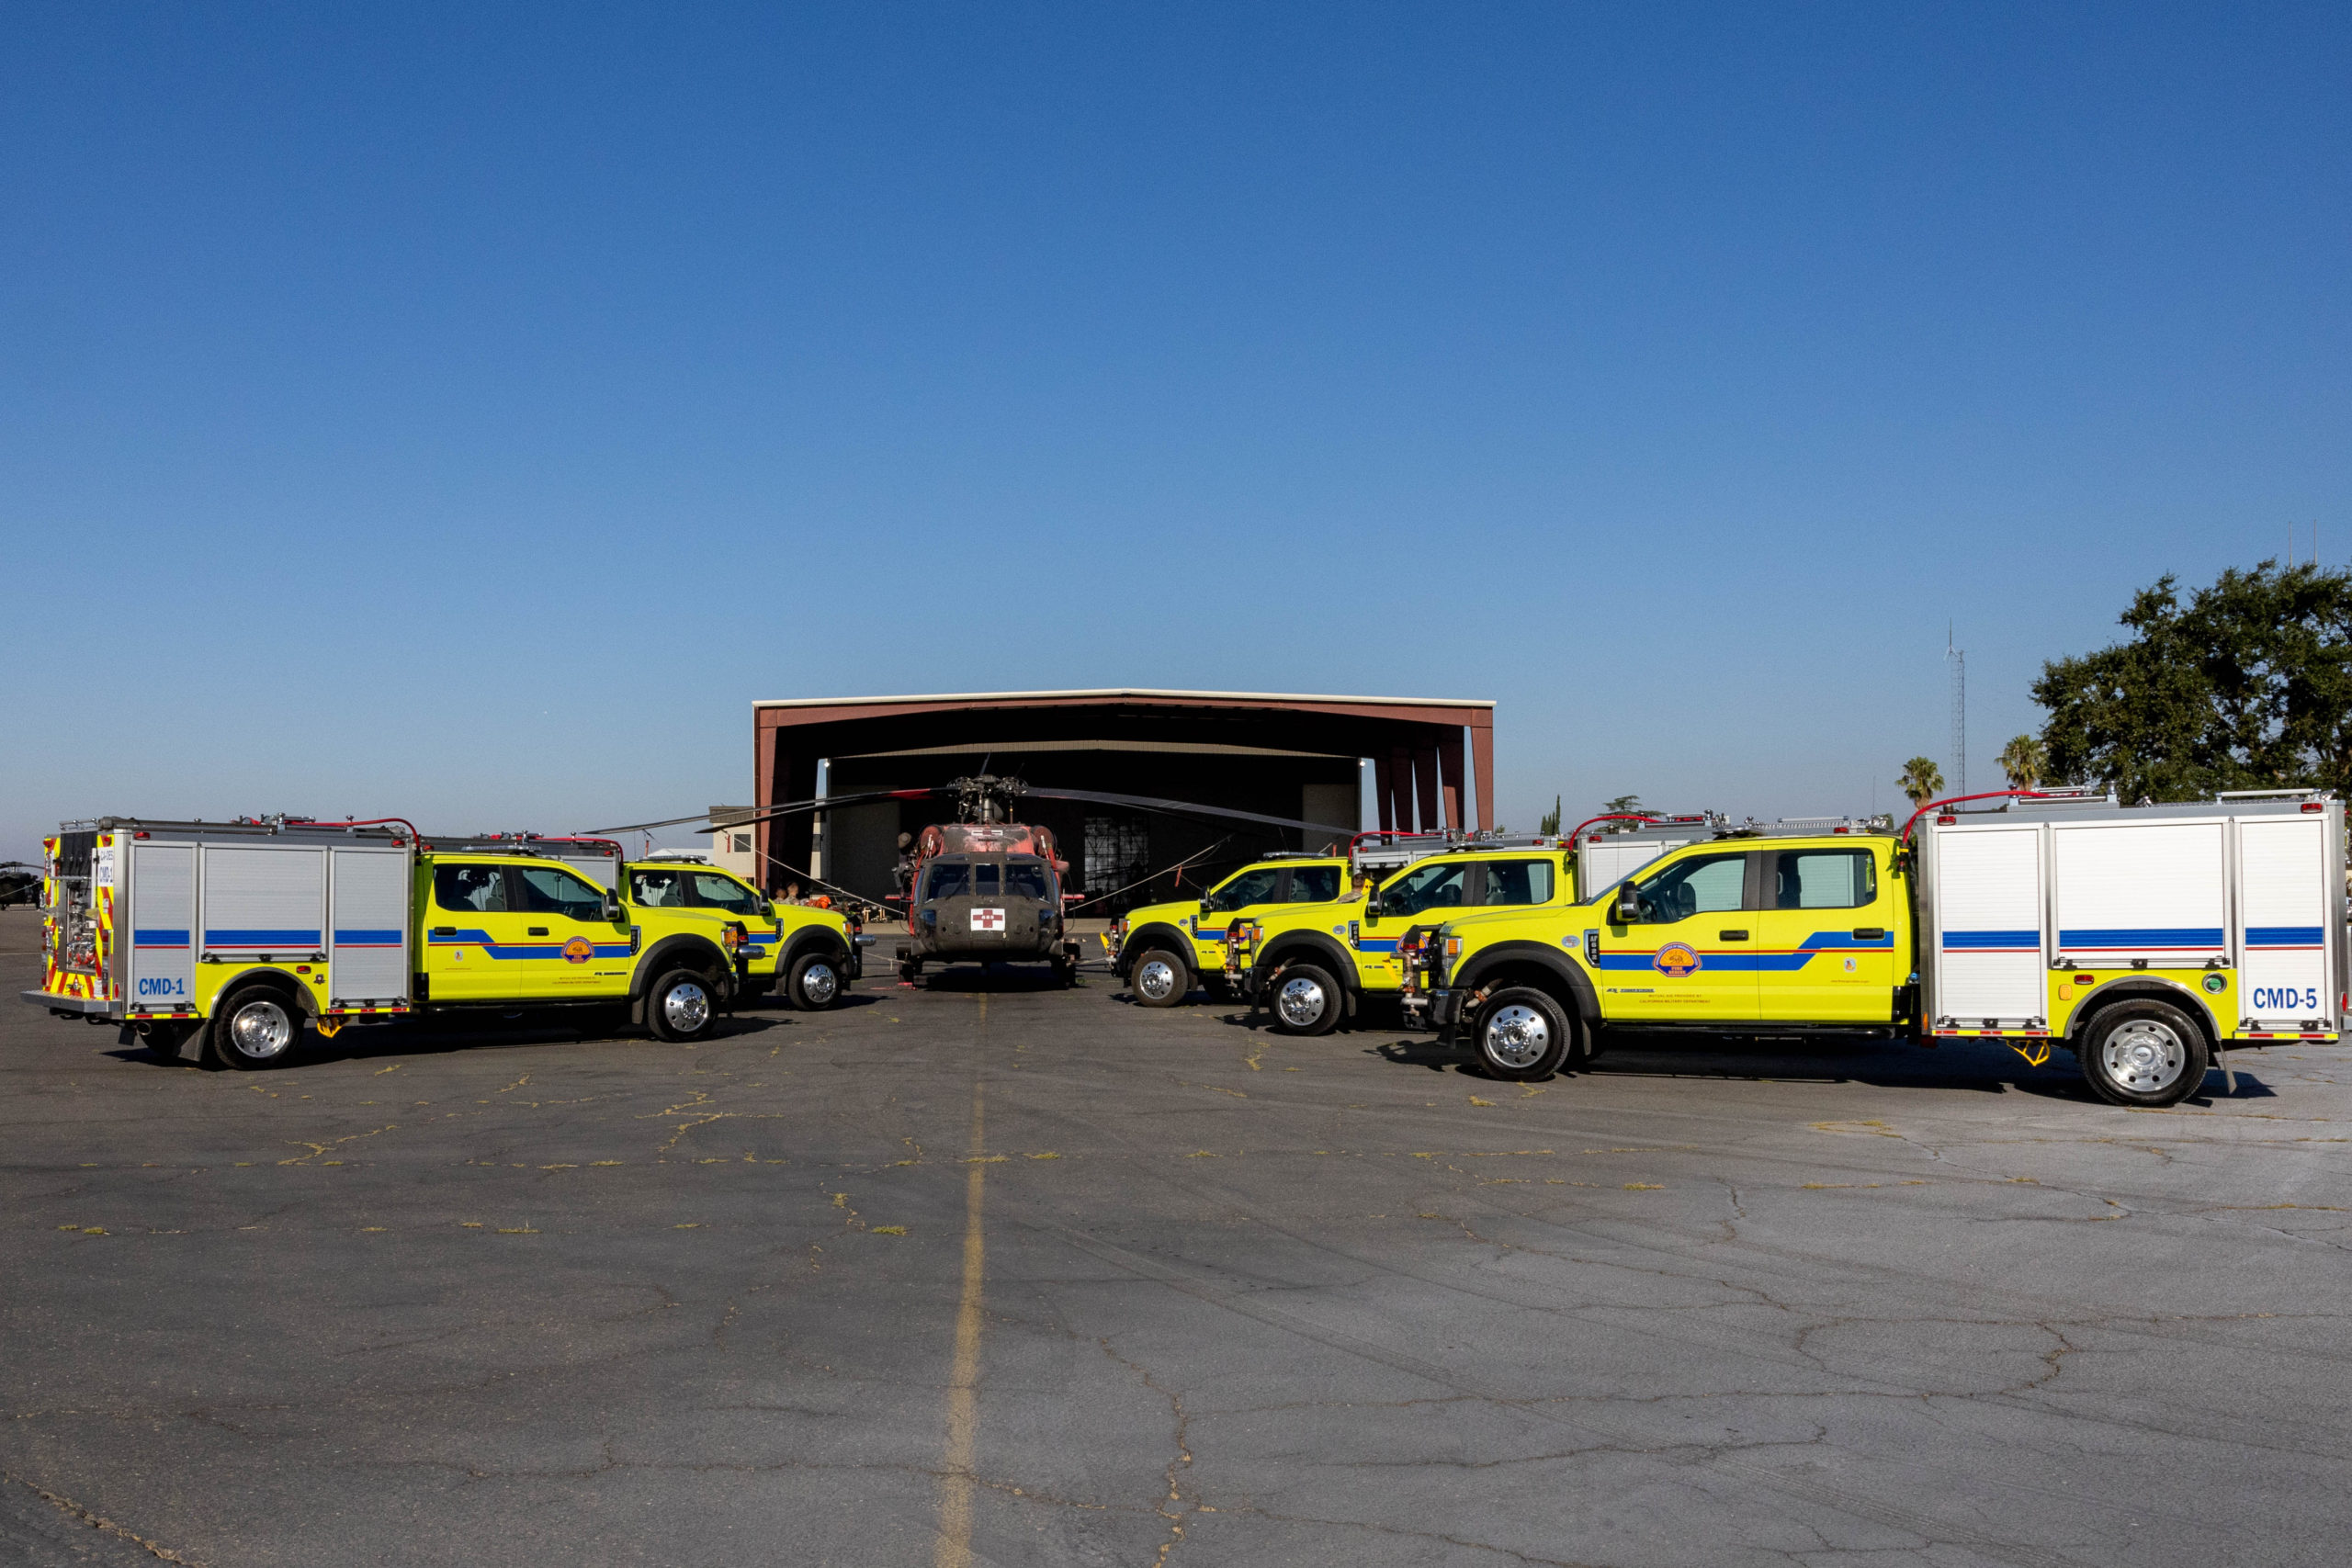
<point>2284,891</point>
<point>264,900</point>
<point>2252,889</point>
<point>162,927</point>
<point>1988,937</point>
<point>2132,891</point>
<point>368,960</point>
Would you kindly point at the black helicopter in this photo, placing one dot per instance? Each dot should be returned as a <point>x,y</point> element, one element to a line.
<point>985,888</point>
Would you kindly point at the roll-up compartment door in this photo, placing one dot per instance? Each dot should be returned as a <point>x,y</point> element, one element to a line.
<point>368,935</point>
<point>1988,920</point>
<point>2283,909</point>
<point>263,902</point>
<point>162,922</point>
<point>2151,891</point>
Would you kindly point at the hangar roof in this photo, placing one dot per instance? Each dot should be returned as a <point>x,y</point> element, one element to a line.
<point>1114,694</point>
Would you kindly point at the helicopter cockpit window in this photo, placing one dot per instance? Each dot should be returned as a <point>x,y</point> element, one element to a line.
<point>950,880</point>
<point>1027,879</point>
<point>984,880</point>
<point>1250,888</point>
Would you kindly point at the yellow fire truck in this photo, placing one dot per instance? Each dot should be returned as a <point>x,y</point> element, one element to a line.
<point>2147,940</point>
<point>238,936</point>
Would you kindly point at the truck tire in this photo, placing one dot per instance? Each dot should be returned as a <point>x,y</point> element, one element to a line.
<point>1520,1036</point>
<point>1305,1001</point>
<point>255,1028</point>
<point>1159,979</point>
<point>2143,1053</point>
<point>816,982</point>
<point>682,1006</point>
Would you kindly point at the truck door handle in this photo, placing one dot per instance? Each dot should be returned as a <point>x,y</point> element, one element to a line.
<point>1868,933</point>
<point>538,930</point>
<point>444,931</point>
<point>1731,936</point>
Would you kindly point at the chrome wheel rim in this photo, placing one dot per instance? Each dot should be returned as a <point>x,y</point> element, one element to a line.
<point>1301,1002</point>
<point>1156,980</point>
<point>1517,1036</point>
<point>686,1007</point>
<point>818,983</point>
<point>2144,1055</point>
<point>261,1029</point>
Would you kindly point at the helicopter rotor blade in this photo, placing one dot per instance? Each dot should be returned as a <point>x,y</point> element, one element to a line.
<point>786,808</point>
<point>1189,808</point>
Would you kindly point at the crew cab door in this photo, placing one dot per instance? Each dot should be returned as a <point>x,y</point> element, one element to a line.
<point>1826,936</point>
<point>1428,894</point>
<point>1689,957</point>
<point>468,919</point>
<point>569,949</point>
<point>1243,895</point>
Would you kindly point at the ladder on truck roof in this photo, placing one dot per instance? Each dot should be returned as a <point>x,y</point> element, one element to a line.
<point>1396,849</point>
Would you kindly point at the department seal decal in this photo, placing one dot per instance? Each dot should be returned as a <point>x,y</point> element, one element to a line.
<point>1675,959</point>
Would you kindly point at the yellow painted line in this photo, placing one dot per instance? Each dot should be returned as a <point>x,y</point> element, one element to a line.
<point>953,1548</point>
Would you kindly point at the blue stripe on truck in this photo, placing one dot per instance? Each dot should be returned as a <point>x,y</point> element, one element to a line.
<point>2143,936</point>
<point>1960,941</point>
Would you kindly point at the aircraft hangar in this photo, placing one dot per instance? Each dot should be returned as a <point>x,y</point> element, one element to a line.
<point>1430,764</point>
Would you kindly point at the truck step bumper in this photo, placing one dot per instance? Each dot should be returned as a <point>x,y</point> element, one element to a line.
<point>67,1004</point>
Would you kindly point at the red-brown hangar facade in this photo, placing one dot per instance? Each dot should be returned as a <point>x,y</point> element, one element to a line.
<point>1275,754</point>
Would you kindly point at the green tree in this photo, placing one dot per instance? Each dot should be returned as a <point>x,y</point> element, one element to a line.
<point>2248,685</point>
<point>1921,780</point>
<point>1625,805</point>
<point>2024,762</point>
<point>1551,822</point>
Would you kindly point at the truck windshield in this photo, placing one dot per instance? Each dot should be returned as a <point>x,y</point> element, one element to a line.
<point>468,890</point>
<point>547,891</point>
<point>1519,882</point>
<point>1314,883</point>
<point>1027,879</point>
<point>1425,887</point>
<point>716,892</point>
<point>1702,885</point>
<point>658,889</point>
<point>1252,886</point>
<point>950,880</point>
<point>1824,879</point>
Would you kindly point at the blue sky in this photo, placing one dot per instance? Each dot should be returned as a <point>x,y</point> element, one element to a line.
<point>466,413</point>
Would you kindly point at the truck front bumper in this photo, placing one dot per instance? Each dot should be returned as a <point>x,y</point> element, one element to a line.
<point>1444,1009</point>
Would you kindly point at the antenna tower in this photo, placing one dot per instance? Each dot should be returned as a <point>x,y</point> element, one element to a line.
<point>1958,659</point>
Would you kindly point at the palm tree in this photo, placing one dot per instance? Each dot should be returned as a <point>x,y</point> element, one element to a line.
<point>1921,780</point>
<point>2024,762</point>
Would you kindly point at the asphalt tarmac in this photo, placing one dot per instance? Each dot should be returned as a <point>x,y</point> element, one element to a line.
<point>988,1272</point>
